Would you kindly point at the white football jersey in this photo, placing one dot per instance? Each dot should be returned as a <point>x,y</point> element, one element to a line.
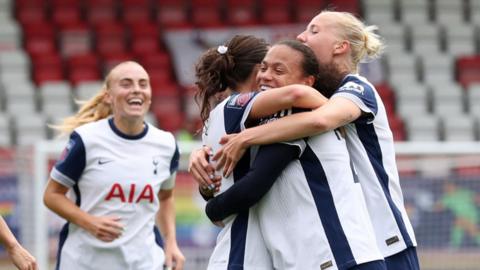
<point>239,244</point>
<point>315,216</point>
<point>114,174</point>
<point>371,147</point>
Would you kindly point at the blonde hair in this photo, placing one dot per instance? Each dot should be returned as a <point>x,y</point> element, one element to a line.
<point>364,43</point>
<point>91,110</point>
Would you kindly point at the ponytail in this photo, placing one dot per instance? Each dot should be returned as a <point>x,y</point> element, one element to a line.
<point>91,110</point>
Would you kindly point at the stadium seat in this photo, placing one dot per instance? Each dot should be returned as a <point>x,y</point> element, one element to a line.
<point>5,131</point>
<point>448,12</point>
<point>14,61</point>
<point>36,46</point>
<point>206,13</point>
<point>468,70</point>
<point>395,37</point>
<point>74,38</point>
<point>447,99</point>
<point>31,14</point>
<point>172,13</point>
<point>65,15</point>
<point>379,11</point>
<point>437,68</point>
<point>460,39</point>
<point>402,67</point>
<point>458,127</point>
<point>136,12</point>
<point>240,12</point>
<point>423,127</point>
<point>30,128</point>
<point>275,12</point>
<point>426,38</point>
<point>473,99</point>
<point>305,10</point>
<point>10,36</point>
<point>415,13</point>
<point>397,127</point>
<point>86,90</point>
<point>100,12</point>
<point>352,6</point>
<point>474,12</point>
<point>20,98</point>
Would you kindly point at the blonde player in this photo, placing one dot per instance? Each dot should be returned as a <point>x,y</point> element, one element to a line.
<point>120,172</point>
<point>314,216</point>
<point>340,41</point>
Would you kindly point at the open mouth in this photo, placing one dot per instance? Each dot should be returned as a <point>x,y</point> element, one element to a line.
<point>135,102</point>
<point>264,87</point>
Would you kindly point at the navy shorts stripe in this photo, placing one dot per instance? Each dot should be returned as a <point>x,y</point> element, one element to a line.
<point>369,139</point>
<point>317,181</point>
<point>405,260</point>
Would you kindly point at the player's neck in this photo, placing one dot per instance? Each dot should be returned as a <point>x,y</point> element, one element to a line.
<point>248,85</point>
<point>129,126</point>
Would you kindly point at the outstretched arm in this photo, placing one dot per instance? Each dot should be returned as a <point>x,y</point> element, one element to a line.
<point>296,95</point>
<point>335,113</point>
<point>247,191</point>
<point>19,256</point>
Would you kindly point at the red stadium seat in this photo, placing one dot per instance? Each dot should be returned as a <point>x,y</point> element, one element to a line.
<point>145,45</point>
<point>39,30</point>
<point>83,60</point>
<point>241,12</point>
<point>136,14</point>
<point>397,127</point>
<point>83,74</point>
<point>113,59</point>
<point>206,13</point>
<point>65,15</point>
<point>275,12</point>
<point>41,76</point>
<point>172,13</point>
<point>158,60</point>
<point>101,11</point>
<point>388,97</point>
<point>31,14</point>
<point>36,46</point>
<point>111,38</point>
<point>305,10</point>
<point>468,70</point>
<point>352,6</point>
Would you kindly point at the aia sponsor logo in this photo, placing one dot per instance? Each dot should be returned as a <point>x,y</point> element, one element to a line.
<point>130,194</point>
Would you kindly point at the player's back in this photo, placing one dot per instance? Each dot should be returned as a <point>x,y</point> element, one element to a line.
<point>315,216</point>
<point>371,147</point>
<point>239,244</point>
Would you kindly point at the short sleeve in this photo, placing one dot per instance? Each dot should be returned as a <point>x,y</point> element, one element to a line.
<point>237,110</point>
<point>69,168</point>
<point>175,160</point>
<point>362,94</point>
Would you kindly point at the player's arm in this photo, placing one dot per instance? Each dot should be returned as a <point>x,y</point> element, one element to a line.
<point>104,228</point>
<point>20,257</point>
<point>335,113</point>
<point>166,223</point>
<point>247,191</point>
<point>296,95</point>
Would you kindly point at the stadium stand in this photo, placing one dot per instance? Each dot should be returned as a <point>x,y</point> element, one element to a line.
<point>430,61</point>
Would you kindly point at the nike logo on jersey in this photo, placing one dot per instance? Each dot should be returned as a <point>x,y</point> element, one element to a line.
<point>104,161</point>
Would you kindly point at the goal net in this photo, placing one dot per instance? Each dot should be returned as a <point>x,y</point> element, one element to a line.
<point>440,181</point>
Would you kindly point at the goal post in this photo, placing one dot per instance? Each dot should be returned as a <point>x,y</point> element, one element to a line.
<point>426,169</point>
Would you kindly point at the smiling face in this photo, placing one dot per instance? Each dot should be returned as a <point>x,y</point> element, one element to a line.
<point>281,66</point>
<point>128,91</point>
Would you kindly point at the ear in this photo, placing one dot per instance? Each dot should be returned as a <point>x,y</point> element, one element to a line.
<point>341,47</point>
<point>310,80</point>
<point>107,98</point>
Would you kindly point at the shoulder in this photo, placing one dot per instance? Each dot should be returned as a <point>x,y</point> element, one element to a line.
<point>356,84</point>
<point>160,135</point>
<point>92,128</point>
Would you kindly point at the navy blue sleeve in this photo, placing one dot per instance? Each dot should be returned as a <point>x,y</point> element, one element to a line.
<point>363,95</point>
<point>175,160</point>
<point>247,191</point>
<point>70,166</point>
<point>235,109</point>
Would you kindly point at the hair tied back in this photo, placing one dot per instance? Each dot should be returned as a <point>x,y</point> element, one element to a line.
<point>222,49</point>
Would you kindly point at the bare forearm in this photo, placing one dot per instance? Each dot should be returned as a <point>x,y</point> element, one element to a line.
<point>166,221</point>
<point>6,236</point>
<point>65,208</point>
<point>297,126</point>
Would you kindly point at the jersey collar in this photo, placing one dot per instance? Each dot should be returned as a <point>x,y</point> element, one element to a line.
<point>126,136</point>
